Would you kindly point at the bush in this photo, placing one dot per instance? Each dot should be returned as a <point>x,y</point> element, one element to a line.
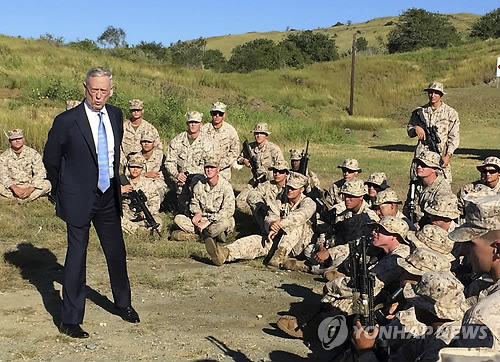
<point>361,44</point>
<point>316,47</point>
<point>154,50</point>
<point>188,53</point>
<point>419,29</point>
<point>253,55</point>
<point>214,59</point>
<point>290,55</point>
<point>487,26</point>
<point>86,45</point>
<point>52,40</point>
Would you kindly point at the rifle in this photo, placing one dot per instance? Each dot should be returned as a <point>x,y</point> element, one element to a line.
<point>432,139</point>
<point>138,204</point>
<point>327,215</point>
<point>281,232</point>
<point>412,205</point>
<point>304,160</point>
<point>250,156</point>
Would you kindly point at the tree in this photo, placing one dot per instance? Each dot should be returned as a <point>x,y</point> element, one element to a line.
<point>86,44</point>
<point>153,49</point>
<point>361,44</point>
<point>418,28</point>
<point>113,37</point>
<point>290,56</point>
<point>214,59</point>
<point>52,39</point>
<point>253,55</point>
<point>188,53</point>
<point>487,26</point>
<point>316,47</point>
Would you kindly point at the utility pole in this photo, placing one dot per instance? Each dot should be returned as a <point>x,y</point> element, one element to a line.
<point>353,53</point>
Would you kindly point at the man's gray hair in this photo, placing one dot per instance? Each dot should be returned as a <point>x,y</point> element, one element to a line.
<point>99,72</point>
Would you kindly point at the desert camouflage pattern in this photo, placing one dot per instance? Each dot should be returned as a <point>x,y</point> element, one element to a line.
<point>444,205</point>
<point>153,203</point>
<point>194,116</point>
<point>213,203</point>
<point>219,106</point>
<point>394,225</point>
<point>154,164</point>
<point>213,230</point>
<point>72,104</point>
<point>377,178</point>
<point>351,164</point>
<point>135,104</point>
<point>268,155</point>
<point>296,223</point>
<point>332,196</point>
<point>25,170</point>
<point>386,196</point>
<point>437,86</point>
<point>261,128</point>
<point>260,197</point>
<point>432,237</point>
<point>131,142</point>
<point>226,145</point>
<point>476,188</point>
<point>423,260</point>
<point>425,194</point>
<point>15,133</point>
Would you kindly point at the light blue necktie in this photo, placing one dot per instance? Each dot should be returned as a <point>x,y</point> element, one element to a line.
<point>102,156</point>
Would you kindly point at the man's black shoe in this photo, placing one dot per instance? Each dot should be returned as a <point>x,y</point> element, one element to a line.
<point>73,330</point>
<point>128,314</point>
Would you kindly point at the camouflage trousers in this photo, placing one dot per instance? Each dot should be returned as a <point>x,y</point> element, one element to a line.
<point>241,199</point>
<point>255,246</point>
<point>337,256</point>
<point>131,227</point>
<point>446,172</point>
<point>6,192</point>
<point>185,193</point>
<point>213,230</point>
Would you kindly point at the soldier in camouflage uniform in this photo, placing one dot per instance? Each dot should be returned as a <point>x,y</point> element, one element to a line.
<point>153,163</point>
<point>376,183</point>
<point>260,197</point>
<point>133,130</point>
<point>224,139</point>
<point>211,207</point>
<point>436,113</point>
<point>442,211</point>
<point>290,230</point>
<point>22,173</point>
<point>479,237</point>
<point>386,204</point>
<point>131,222</point>
<point>429,184</point>
<point>489,170</point>
<point>266,155</point>
<point>295,157</point>
<point>350,170</point>
<point>432,237</point>
<point>185,159</point>
<point>72,104</point>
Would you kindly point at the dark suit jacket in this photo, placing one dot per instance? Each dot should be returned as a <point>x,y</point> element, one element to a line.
<point>71,162</point>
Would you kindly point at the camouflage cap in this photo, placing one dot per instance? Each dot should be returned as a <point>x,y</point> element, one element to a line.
<point>279,165</point>
<point>354,187</point>
<point>147,136</point>
<point>194,116</point>
<point>432,237</point>
<point>429,158</point>
<point>385,197</point>
<point>435,86</point>
<point>350,164</point>
<point>135,104</point>
<point>72,104</point>
<point>295,154</point>
<point>15,133</point>
<point>261,128</point>
<point>296,180</point>
<point>438,293</point>
<point>423,260</point>
<point>136,160</point>
<point>482,214</point>
<point>219,106</point>
<point>489,161</point>
<point>393,225</point>
<point>211,161</point>
<point>443,205</point>
<point>378,178</point>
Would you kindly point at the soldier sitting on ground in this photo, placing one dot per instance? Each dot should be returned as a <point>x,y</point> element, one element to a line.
<point>131,220</point>
<point>22,173</point>
<point>386,204</point>
<point>211,208</point>
<point>441,211</point>
<point>332,196</point>
<point>376,183</point>
<point>489,170</point>
<point>290,230</point>
<point>266,154</point>
<point>295,157</point>
<point>260,197</point>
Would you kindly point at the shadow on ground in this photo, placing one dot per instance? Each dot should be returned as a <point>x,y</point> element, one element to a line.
<point>474,153</point>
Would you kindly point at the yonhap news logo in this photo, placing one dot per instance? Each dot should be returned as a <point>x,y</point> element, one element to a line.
<point>332,332</point>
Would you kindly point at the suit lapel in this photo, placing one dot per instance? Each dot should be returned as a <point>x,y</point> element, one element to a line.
<point>84,126</point>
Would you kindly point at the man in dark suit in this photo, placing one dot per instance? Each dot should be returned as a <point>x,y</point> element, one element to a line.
<point>82,157</point>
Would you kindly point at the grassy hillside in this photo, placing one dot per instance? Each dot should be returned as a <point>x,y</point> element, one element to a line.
<point>371,30</point>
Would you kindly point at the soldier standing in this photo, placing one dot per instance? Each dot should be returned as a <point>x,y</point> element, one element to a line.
<point>224,139</point>
<point>439,114</point>
<point>22,173</point>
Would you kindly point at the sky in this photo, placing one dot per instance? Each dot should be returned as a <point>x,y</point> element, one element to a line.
<point>168,21</point>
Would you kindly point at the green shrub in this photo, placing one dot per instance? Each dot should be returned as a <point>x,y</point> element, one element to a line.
<point>487,26</point>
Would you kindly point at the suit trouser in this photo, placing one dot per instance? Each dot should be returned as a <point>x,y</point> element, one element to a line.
<point>106,221</point>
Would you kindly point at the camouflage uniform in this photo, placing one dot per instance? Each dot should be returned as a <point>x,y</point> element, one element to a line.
<point>72,104</point>
<point>215,204</point>
<point>482,214</point>
<point>379,179</point>
<point>153,201</point>
<point>24,169</point>
<point>313,181</point>
<point>434,238</point>
<point>295,222</point>
<point>478,187</point>
<point>225,141</point>
<point>131,142</point>
<point>446,120</point>
<point>333,196</point>
<point>443,205</point>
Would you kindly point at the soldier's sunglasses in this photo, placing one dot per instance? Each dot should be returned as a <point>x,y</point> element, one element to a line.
<point>491,172</point>
<point>279,171</point>
<point>217,113</point>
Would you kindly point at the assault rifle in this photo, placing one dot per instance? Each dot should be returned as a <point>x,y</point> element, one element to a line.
<point>412,205</point>
<point>250,156</point>
<point>432,139</point>
<point>304,160</point>
<point>138,204</point>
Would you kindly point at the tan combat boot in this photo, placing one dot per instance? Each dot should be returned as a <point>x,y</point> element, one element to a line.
<point>278,257</point>
<point>290,326</point>
<point>294,264</point>
<point>218,254</point>
<point>180,235</point>
<point>332,274</point>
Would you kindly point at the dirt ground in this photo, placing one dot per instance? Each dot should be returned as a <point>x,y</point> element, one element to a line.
<point>190,311</point>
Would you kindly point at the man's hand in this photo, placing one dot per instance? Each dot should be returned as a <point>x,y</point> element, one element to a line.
<point>126,188</point>
<point>275,226</point>
<point>152,174</point>
<point>446,161</point>
<point>363,340</point>
<point>203,224</point>
<point>181,179</point>
<point>321,255</point>
<point>22,192</point>
<point>196,219</point>
<point>246,162</point>
<point>420,133</point>
<point>392,309</point>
